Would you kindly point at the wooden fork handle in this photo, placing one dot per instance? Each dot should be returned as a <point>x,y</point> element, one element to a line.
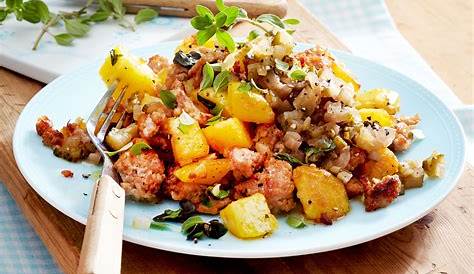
<point>254,8</point>
<point>101,250</point>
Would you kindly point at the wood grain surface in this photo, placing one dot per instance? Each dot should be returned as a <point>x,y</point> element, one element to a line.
<point>441,242</point>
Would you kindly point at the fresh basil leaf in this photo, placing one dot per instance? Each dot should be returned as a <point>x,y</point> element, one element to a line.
<point>207,76</point>
<point>169,215</point>
<point>291,21</point>
<point>232,14</point>
<point>144,15</point>
<point>168,99</point>
<point>13,4</point>
<point>242,13</point>
<point>216,118</point>
<point>99,16</point>
<point>76,28</point>
<point>201,22</point>
<point>290,159</point>
<point>190,223</point>
<point>204,35</point>
<point>297,74</point>
<point>221,81</point>
<point>105,5</point>
<point>280,65</point>
<point>225,40</point>
<point>271,19</point>
<point>245,87</point>
<point>137,148</point>
<point>220,5</point>
<point>64,39</point>
<point>159,226</point>
<point>203,11</point>
<point>290,31</point>
<point>30,12</point>
<point>295,221</point>
<point>118,8</point>
<point>253,34</point>
<point>221,18</point>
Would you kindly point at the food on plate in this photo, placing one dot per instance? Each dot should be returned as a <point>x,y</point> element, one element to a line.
<point>251,130</point>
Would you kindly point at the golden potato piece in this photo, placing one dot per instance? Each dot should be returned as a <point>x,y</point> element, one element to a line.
<point>206,172</point>
<point>379,98</point>
<point>227,134</point>
<point>248,106</point>
<point>385,164</point>
<point>187,141</point>
<point>249,217</point>
<point>380,116</point>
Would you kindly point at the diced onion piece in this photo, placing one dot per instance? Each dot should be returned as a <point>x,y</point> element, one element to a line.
<point>140,222</point>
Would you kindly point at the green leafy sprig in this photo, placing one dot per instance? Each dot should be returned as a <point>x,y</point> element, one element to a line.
<point>76,23</point>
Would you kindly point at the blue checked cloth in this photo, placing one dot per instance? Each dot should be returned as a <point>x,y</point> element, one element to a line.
<point>365,26</point>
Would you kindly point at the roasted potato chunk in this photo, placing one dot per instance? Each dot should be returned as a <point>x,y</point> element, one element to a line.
<point>207,172</point>
<point>379,98</point>
<point>434,165</point>
<point>228,134</point>
<point>384,162</point>
<point>248,106</point>
<point>187,140</point>
<point>380,116</point>
<point>118,138</point>
<point>249,217</point>
<point>322,195</point>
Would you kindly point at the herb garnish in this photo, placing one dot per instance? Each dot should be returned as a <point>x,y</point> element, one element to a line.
<point>289,158</point>
<point>186,210</point>
<point>168,99</point>
<point>245,87</point>
<point>137,148</point>
<point>215,119</point>
<point>196,228</point>
<point>221,81</point>
<point>312,154</point>
<point>296,221</point>
<point>207,76</point>
<point>76,23</point>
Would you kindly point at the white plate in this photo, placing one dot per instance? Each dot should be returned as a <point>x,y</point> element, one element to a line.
<point>75,94</point>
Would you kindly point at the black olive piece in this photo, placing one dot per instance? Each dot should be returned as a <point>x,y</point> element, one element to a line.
<point>186,60</point>
<point>215,229</point>
<point>196,231</point>
<point>187,207</point>
<point>207,103</point>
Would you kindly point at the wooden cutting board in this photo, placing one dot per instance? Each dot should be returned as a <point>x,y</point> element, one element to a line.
<point>438,242</point>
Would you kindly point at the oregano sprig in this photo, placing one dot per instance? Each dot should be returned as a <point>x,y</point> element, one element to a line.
<point>76,23</point>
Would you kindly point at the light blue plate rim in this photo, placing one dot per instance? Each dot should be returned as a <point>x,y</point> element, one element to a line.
<point>453,174</point>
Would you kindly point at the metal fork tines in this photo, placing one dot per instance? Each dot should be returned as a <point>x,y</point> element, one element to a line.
<point>99,124</point>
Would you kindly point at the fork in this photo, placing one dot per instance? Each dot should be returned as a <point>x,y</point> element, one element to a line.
<point>101,250</point>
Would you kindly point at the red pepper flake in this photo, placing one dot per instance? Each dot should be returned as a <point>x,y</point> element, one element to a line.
<point>67,173</point>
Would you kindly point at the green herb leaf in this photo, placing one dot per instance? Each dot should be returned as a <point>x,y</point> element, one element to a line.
<point>297,74</point>
<point>204,35</point>
<point>124,148</point>
<point>99,16</point>
<point>290,31</point>
<point>118,8</point>
<point>185,122</point>
<point>3,15</point>
<point>13,4</point>
<point>201,22</point>
<point>253,34</point>
<point>221,18</point>
<point>35,11</point>
<point>64,39</point>
<point>225,40</point>
<point>144,15</point>
<point>207,76</point>
<point>216,118</point>
<point>159,226</point>
<point>217,192</point>
<point>312,154</point>
<point>245,87</point>
<point>190,223</point>
<point>232,14</point>
<point>221,81</point>
<point>291,21</point>
<point>280,65</point>
<point>271,19</point>
<point>203,10</point>
<point>137,148</point>
<point>217,110</point>
<point>220,5</point>
<point>295,221</point>
<point>168,99</point>
<point>169,214</point>
<point>290,159</point>
<point>76,28</point>
<point>242,13</point>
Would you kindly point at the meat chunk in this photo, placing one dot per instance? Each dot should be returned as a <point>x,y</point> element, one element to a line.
<point>245,162</point>
<point>380,193</point>
<point>141,174</point>
<point>403,136</point>
<point>186,104</point>
<point>274,182</point>
<point>354,188</point>
<point>266,137</point>
<point>357,158</point>
<point>157,63</point>
<point>71,143</point>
